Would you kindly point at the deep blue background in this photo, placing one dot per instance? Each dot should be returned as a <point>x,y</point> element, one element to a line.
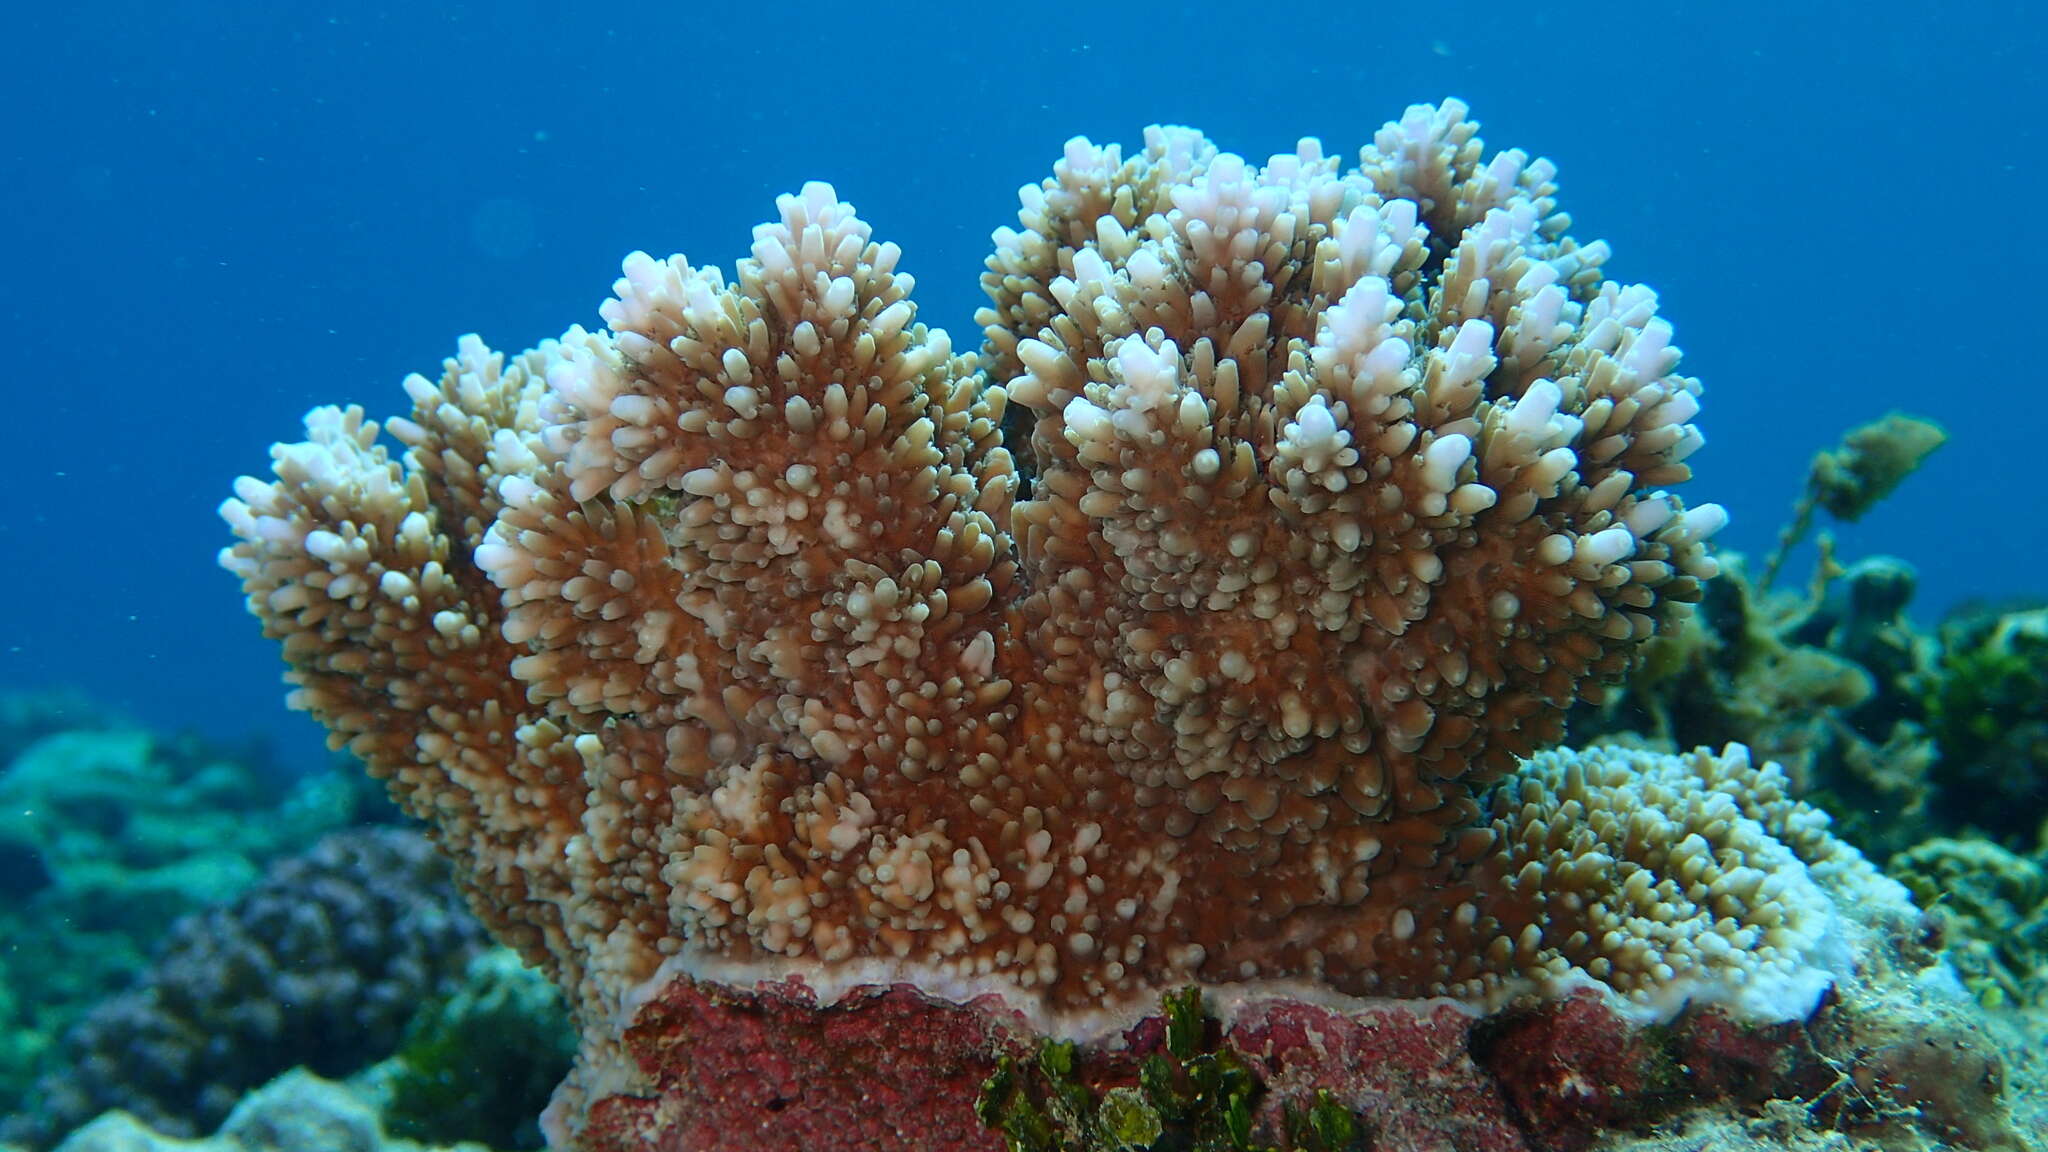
<point>217,215</point>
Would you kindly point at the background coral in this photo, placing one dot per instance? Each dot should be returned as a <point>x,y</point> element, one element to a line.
<point>28,716</point>
<point>322,963</point>
<point>108,834</point>
<point>1987,711</point>
<point>1830,681</point>
<point>1993,907</point>
<point>1852,477</point>
<point>1902,732</point>
<point>1826,683</point>
<point>297,1112</point>
<point>479,1065</point>
<point>139,825</point>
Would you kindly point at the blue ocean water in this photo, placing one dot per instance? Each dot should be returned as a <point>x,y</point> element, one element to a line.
<point>217,215</point>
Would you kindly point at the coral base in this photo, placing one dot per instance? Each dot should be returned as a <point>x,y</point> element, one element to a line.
<point>768,1070</point>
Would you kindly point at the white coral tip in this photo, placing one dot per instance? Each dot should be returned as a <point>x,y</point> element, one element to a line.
<point>1530,416</point>
<point>1606,546</point>
<point>1149,375</point>
<point>1702,522</point>
<point>1441,461</point>
<point>1648,515</point>
<point>1085,420</point>
<point>1313,437</point>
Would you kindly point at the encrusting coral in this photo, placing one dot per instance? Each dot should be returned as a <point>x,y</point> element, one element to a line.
<point>731,638</point>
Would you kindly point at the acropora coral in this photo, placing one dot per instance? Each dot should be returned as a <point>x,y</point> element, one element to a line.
<point>729,641</point>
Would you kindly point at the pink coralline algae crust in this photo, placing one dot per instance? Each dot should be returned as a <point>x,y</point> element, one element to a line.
<point>1407,1071</point>
<point>769,1070</point>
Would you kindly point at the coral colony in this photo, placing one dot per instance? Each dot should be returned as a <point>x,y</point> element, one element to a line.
<point>1204,629</point>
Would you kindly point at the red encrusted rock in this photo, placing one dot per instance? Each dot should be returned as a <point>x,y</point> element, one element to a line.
<point>1407,1070</point>
<point>769,1070</point>
<point>1573,1067</point>
<point>1721,1058</point>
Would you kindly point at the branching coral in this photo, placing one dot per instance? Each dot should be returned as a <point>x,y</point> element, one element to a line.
<point>731,633</point>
